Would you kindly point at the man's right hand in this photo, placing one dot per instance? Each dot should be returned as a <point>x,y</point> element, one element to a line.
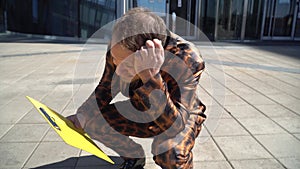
<point>75,121</point>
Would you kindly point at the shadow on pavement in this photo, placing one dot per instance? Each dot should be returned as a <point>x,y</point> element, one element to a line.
<point>85,162</point>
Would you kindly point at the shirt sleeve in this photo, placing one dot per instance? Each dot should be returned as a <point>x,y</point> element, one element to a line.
<point>173,110</point>
<point>102,94</point>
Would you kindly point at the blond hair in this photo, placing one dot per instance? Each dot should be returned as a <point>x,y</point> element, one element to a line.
<point>137,26</point>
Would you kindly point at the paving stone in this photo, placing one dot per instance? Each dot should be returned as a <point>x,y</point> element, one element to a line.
<point>14,111</point>
<point>216,112</point>
<point>261,126</point>
<point>212,165</point>
<point>203,133</point>
<point>275,111</point>
<point>241,147</point>
<point>297,135</point>
<point>14,155</point>
<point>294,107</point>
<point>290,162</point>
<point>4,128</point>
<point>225,127</point>
<point>25,133</point>
<point>232,100</point>
<point>284,98</point>
<point>52,136</point>
<point>55,75</point>
<point>207,150</point>
<point>244,91</point>
<point>244,111</point>
<point>267,89</point>
<point>32,117</point>
<point>151,166</point>
<point>281,145</point>
<point>258,99</point>
<point>257,164</point>
<point>292,124</point>
<point>90,160</point>
<point>53,153</point>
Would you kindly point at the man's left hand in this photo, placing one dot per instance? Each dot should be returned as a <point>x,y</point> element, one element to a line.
<point>149,59</point>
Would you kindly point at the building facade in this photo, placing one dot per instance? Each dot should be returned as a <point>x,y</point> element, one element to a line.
<point>219,20</point>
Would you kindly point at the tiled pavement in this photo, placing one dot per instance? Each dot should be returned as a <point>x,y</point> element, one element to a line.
<point>252,93</point>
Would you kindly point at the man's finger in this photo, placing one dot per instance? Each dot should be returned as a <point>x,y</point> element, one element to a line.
<point>149,44</point>
<point>159,49</point>
<point>157,44</point>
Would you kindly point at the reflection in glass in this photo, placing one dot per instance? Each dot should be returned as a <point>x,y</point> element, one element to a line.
<point>208,17</point>
<point>284,12</point>
<point>297,30</point>
<point>254,19</point>
<point>230,15</point>
<point>279,18</point>
<point>94,14</point>
<point>187,11</point>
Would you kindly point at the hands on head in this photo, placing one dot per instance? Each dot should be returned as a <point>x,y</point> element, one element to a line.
<point>145,62</point>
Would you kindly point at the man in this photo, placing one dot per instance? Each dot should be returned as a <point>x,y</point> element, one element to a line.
<point>159,73</point>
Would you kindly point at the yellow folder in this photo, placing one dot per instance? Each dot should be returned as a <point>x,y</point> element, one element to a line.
<point>68,132</point>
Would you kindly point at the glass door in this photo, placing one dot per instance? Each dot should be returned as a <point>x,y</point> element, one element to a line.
<point>254,19</point>
<point>279,18</point>
<point>230,18</point>
<point>186,12</point>
<point>297,24</point>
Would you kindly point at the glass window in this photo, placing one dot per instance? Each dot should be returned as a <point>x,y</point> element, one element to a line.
<point>284,13</point>
<point>254,19</point>
<point>230,16</point>
<point>2,16</point>
<point>297,30</point>
<point>279,18</point>
<point>154,5</point>
<point>208,17</point>
<point>92,16</point>
<point>95,14</point>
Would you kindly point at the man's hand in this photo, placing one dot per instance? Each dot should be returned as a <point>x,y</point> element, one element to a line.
<point>149,59</point>
<point>74,119</point>
<point>126,69</point>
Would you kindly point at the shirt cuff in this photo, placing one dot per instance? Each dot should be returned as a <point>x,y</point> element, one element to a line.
<point>155,82</point>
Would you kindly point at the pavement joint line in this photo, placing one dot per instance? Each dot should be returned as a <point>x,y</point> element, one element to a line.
<point>279,58</point>
<point>40,53</point>
<point>279,89</point>
<point>228,74</point>
<point>255,66</point>
<point>264,96</point>
<point>265,74</point>
<point>226,111</point>
<point>255,106</point>
<point>41,140</point>
<point>44,135</point>
<point>30,73</point>
<point>245,130</point>
<point>11,100</point>
<point>17,121</point>
<point>219,147</point>
<point>21,95</point>
<point>261,59</point>
<point>21,67</point>
<point>269,83</point>
<point>36,147</point>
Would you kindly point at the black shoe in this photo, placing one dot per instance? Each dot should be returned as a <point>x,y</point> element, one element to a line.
<point>137,163</point>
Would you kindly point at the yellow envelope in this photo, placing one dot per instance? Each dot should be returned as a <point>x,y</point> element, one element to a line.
<point>68,132</point>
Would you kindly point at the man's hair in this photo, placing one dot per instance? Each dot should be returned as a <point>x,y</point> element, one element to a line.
<point>137,26</point>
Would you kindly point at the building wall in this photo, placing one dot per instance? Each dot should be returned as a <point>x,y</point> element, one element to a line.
<point>71,18</point>
<point>218,19</point>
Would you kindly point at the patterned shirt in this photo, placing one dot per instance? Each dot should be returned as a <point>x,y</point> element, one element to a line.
<point>170,96</point>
